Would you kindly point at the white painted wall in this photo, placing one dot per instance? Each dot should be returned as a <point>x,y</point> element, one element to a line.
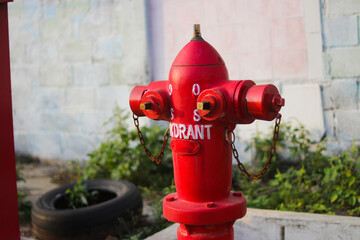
<point>72,62</point>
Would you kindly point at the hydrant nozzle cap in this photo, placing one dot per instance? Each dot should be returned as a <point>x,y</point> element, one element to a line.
<point>197,33</point>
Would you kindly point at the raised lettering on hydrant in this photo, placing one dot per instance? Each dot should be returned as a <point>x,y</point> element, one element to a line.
<point>203,107</point>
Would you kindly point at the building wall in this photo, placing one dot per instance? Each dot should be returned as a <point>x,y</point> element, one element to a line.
<point>341,93</point>
<point>268,41</point>
<point>72,62</point>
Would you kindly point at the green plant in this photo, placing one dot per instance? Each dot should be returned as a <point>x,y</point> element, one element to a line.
<point>121,155</point>
<point>79,196</point>
<point>303,177</point>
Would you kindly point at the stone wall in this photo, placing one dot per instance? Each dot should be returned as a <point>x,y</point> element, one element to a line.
<point>341,94</point>
<point>72,62</point>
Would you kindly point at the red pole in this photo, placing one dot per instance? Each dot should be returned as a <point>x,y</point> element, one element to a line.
<point>9,219</point>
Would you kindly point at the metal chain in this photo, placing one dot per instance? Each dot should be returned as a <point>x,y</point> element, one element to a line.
<point>159,157</point>
<point>272,152</point>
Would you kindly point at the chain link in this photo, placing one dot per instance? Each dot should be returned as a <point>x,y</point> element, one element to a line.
<point>272,152</point>
<point>159,157</point>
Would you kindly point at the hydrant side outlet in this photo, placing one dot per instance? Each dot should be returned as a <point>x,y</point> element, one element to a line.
<point>203,107</point>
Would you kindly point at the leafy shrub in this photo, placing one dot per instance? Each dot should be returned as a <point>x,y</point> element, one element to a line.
<point>121,155</point>
<point>304,177</point>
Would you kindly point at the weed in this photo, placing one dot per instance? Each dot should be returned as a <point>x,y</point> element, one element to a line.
<point>121,156</point>
<point>312,181</point>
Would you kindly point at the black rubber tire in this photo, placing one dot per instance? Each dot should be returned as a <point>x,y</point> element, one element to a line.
<point>93,222</point>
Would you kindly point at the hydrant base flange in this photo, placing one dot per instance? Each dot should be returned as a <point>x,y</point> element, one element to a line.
<point>223,231</point>
<point>201,213</point>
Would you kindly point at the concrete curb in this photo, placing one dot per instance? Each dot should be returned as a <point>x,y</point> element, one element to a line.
<point>271,225</point>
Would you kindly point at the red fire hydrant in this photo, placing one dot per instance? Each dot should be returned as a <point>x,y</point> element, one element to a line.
<point>203,108</point>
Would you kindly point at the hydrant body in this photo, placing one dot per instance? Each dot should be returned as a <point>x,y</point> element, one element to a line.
<point>203,107</point>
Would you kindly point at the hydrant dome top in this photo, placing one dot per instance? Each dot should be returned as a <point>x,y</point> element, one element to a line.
<point>198,52</point>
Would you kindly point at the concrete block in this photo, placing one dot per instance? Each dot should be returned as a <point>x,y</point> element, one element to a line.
<point>135,72</point>
<point>134,53</point>
<point>344,62</point>
<point>341,32</point>
<point>94,4</point>
<point>25,76</point>
<point>78,100</point>
<point>303,103</point>
<point>45,145</point>
<point>337,146</point>
<point>75,8</point>
<point>50,9</point>
<point>289,64</point>
<point>129,13</point>
<point>55,29</point>
<point>358,87</point>
<point>315,60</point>
<point>288,34</point>
<point>38,53</point>
<point>314,43</point>
<point>312,18</point>
<point>17,52</point>
<point>55,75</point>
<point>342,7</point>
<point>32,9</point>
<point>108,48</point>
<point>77,146</point>
<point>111,96</point>
<point>289,56</point>
<point>255,65</point>
<point>116,75</point>
<point>341,94</point>
<point>26,120</point>
<point>348,125</point>
<point>21,96</point>
<point>24,20</point>
<point>267,224</point>
<point>50,52</point>
<point>16,9</point>
<point>75,51</point>
<point>90,75</point>
<point>330,123</point>
<point>286,9</point>
<point>135,60</point>
<point>92,122</point>
<point>30,30</point>
<point>21,142</point>
<point>58,122</point>
<point>168,233</point>
<point>46,98</point>
<point>94,24</point>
